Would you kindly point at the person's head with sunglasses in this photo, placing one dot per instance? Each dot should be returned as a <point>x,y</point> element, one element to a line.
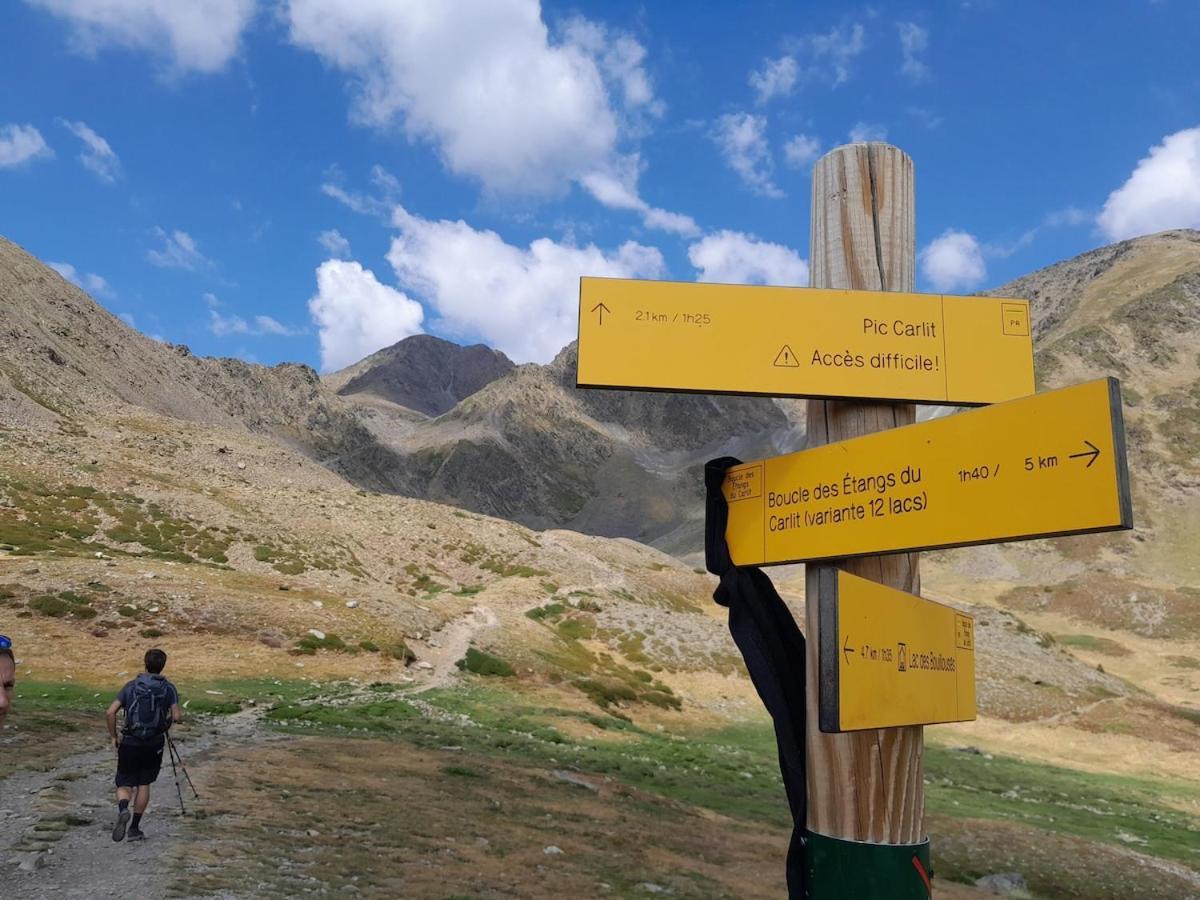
<point>8,675</point>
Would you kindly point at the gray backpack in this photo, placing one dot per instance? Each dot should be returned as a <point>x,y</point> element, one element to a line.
<point>149,712</point>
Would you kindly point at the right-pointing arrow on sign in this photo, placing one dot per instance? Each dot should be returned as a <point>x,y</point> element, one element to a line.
<point>1092,454</point>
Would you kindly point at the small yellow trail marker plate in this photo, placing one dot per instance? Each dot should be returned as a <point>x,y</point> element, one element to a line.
<point>890,658</point>
<point>803,342</point>
<point>1042,466</point>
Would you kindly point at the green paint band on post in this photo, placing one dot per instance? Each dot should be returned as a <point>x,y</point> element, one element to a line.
<point>853,870</point>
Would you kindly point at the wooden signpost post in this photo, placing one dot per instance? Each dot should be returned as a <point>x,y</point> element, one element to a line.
<point>881,661</point>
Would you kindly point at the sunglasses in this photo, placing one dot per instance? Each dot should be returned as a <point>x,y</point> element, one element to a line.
<point>5,642</point>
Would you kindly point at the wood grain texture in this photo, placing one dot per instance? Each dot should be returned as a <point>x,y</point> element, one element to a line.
<point>867,785</point>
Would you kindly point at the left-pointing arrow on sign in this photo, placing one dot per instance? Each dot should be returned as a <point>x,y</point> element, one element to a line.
<point>602,309</point>
<point>847,649</point>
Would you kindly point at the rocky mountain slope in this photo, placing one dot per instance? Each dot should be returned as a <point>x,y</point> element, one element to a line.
<point>532,448</point>
<point>131,455</point>
<point>64,359</point>
<point>423,373</point>
<point>226,545</point>
<point>423,418</point>
<point>1131,310</point>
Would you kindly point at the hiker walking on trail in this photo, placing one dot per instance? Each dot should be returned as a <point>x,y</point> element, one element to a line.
<point>151,706</point>
<point>8,675</point>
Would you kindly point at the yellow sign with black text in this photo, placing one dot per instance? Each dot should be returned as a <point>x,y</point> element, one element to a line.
<point>803,342</point>
<point>889,658</point>
<point>1042,466</point>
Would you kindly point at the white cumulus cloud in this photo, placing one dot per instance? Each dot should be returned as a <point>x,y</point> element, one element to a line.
<point>820,58</point>
<point>502,99</point>
<point>335,243</point>
<point>620,58</point>
<point>801,150</point>
<point>223,325</point>
<point>776,78</point>
<point>356,314</point>
<point>953,261</point>
<point>483,81</point>
<point>914,41</point>
<point>200,35</point>
<point>864,132</point>
<point>522,300</point>
<point>731,257</point>
<point>616,188</point>
<point>1162,193</point>
<point>383,196</point>
<point>97,156</point>
<point>741,138</point>
<point>258,326</point>
<point>94,284</point>
<point>830,57</point>
<point>21,144</point>
<point>178,251</point>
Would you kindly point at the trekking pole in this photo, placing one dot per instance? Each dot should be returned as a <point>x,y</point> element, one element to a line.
<point>178,789</point>
<point>175,756</point>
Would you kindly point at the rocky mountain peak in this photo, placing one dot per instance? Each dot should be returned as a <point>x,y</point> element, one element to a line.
<point>423,373</point>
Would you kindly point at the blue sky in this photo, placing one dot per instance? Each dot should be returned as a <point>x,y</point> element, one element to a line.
<point>311,180</point>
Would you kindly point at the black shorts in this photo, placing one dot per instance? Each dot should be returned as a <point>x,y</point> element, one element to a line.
<point>138,761</point>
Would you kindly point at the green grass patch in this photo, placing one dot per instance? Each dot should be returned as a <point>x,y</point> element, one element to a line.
<point>1114,809</point>
<point>212,706</point>
<point>56,607</point>
<point>480,662</point>
<point>310,644</point>
<point>1095,644</point>
<point>462,772</point>
<point>734,771</point>
<point>549,611</point>
<point>402,652</point>
<point>577,627</point>
<point>506,569</point>
<point>375,717</point>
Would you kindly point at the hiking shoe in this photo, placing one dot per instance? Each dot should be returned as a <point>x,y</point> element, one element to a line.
<point>122,823</point>
<point>136,834</point>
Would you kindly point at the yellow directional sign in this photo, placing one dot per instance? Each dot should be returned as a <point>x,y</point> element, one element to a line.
<point>803,342</point>
<point>889,658</point>
<point>1042,466</point>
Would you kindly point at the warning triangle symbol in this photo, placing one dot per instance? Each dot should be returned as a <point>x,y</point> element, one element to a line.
<point>786,359</point>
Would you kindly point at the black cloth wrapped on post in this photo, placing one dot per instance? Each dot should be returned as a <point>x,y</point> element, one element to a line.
<point>773,648</point>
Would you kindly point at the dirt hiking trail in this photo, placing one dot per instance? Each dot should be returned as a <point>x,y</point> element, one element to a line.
<point>56,825</point>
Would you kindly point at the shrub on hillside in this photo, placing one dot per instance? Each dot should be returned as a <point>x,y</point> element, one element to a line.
<point>482,663</point>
